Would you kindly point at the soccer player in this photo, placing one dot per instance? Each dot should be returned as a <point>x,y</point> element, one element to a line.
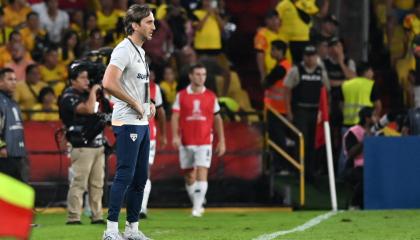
<point>156,97</point>
<point>127,79</point>
<point>193,114</point>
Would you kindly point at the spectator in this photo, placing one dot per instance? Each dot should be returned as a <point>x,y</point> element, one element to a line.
<point>46,109</point>
<point>322,49</point>
<point>70,48</point>
<point>208,26</point>
<point>262,43</point>
<point>4,30</point>
<point>6,51</point>
<point>55,21</point>
<point>412,25</point>
<point>160,48</point>
<point>180,25</point>
<point>296,16</point>
<point>27,92</point>
<point>327,32</point>
<point>169,85</point>
<point>77,21</point>
<point>303,88</point>
<point>90,23</point>
<point>95,41</point>
<point>53,73</point>
<point>15,13</point>
<point>18,62</point>
<point>32,34</point>
<point>108,16</point>
<point>353,145</point>
<point>12,147</point>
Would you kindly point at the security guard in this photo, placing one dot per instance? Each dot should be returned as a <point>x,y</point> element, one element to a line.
<point>12,147</point>
<point>303,84</point>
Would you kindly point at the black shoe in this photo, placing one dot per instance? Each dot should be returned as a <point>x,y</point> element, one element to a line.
<point>142,215</point>
<point>73,223</point>
<point>99,221</point>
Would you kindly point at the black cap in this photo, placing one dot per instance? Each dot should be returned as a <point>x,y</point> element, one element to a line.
<point>280,45</point>
<point>271,13</point>
<point>309,50</point>
<point>331,18</point>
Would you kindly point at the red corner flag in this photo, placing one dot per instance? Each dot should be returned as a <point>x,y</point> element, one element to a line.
<point>323,115</point>
<point>16,203</point>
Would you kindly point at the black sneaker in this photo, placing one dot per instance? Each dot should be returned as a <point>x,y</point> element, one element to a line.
<point>73,223</point>
<point>142,215</point>
<point>99,221</point>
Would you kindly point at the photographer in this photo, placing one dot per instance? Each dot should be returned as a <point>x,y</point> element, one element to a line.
<point>353,151</point>
<point>84,127</point>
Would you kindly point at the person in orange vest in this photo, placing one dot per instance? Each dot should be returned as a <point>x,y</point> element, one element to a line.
<point>274,97</point>
<point>274,93</point>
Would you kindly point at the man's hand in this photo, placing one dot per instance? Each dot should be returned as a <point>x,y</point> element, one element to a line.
<point>139,109</point>
<point>95,88</point>
<point>176,141</point>
<point>3,152</point>
<point>152,111</point>
<point>221,148</point>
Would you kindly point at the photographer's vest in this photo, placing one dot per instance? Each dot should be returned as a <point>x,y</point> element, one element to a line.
<point>356,94</point>
<point>359,133</point>
<point>13,127</point>
<point>306,94</point>
<point>152,121</point>
<point>275,95</point>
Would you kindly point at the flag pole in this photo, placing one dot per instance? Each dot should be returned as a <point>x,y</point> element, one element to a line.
<point>331,176</point>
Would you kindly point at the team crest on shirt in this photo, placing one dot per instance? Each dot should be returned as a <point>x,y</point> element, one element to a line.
<point>133,136</point>
<point>196,112</point>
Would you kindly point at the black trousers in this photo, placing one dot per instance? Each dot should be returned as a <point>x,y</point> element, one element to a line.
<point>305,120</point>
<point>16,167</point>
<point>354,178</point>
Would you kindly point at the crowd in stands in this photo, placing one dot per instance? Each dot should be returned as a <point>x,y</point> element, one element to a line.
<point>39,39</point>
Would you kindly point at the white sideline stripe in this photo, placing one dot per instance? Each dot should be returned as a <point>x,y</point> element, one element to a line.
<point>314,221</point>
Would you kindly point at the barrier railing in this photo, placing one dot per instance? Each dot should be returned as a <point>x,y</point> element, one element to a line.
<point>299,163</point>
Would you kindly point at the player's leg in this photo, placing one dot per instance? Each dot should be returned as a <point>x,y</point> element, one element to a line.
<point>136,188</point>
<point>148,186</point>
<point>128,143</point>
<point>186,162</point>
<point>202,160</point>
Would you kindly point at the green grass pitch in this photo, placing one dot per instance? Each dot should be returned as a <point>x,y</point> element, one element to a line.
<point>177,224</point>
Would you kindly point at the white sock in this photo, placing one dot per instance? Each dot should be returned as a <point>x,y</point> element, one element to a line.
<point>200,194</point>
<point>134,226</point>
<point>146,194</point>
<point>190,190</point>
<point>111,226</point>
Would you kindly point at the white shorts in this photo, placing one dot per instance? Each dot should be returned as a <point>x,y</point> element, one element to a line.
<point>152,151</point>
<point>193,156</point>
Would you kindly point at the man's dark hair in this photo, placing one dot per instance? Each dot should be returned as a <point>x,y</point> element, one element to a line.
<point>364,113</point>
<point>13,33</point>
<point>75,69</point>
<point>279,45</point>
<point>44,91</point>
<point>362,68</point>
<point>4,71</point>
<point>135,14</point>
<point>29,15</point>
<point>30,67</point>
<point>270,14</point>
<point>195,66</point>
